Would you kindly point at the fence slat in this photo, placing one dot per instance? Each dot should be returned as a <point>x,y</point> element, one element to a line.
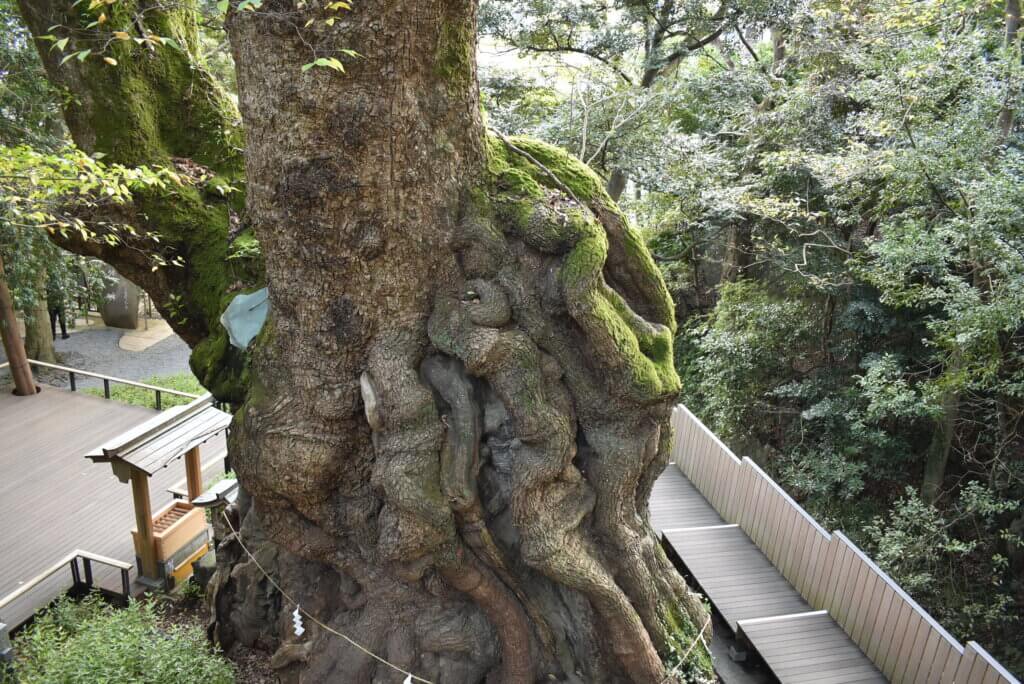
<point>771,524</point>
<point>868,608</point>
<point>924,633</point>
<point>807,564</point>
<point>890,664</point>
<point>734,491</point>
<point>794,550</point>
<point>855,595</point>
<point>880,623</point>
<point>963,670</point>
<point>753,507</point>
<point>928,657</point>
<point>756,501</point>
<point>905,653</point>
<point>822,571</point>
<point>947,672</point>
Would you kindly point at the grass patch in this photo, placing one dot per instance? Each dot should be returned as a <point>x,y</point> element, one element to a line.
<point>90,641</point>
<point>136,396</point>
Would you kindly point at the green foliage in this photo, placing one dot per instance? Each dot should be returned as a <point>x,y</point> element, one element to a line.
<point>47,193</point>
<point>29,105</point>
<point>92,642</point>
<point>952,559</point>
<point>191,591</point>
<point>137,396</point>
<point>51,192</point>
<point>747,348</point>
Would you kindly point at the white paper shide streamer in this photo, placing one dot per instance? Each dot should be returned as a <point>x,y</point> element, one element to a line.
<point>297,622</point>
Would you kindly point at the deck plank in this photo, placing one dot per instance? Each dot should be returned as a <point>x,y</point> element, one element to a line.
<point>752,588</point>
<point>675,502</point>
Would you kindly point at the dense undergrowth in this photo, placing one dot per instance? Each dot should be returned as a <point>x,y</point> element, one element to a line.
<point>89,641</point>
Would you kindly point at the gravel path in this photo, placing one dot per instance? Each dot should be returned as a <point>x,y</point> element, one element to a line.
<point>97,351</point>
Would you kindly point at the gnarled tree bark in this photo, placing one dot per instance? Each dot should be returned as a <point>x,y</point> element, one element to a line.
<point>459,403</point>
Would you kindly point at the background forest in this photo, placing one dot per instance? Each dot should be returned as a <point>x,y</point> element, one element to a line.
<point>834,190</point>
<point>834,193</point>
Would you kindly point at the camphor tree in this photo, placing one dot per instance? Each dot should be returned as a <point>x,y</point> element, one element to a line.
<point>448,429</point>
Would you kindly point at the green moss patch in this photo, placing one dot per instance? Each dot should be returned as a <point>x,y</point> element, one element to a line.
<point>687,657</point>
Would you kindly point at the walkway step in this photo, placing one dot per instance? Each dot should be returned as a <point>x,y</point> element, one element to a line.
<point>808,647</point>
<point>737,578</point>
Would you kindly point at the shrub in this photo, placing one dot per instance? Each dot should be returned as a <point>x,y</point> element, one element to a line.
<point>136,396</point>
<point>90,641</point>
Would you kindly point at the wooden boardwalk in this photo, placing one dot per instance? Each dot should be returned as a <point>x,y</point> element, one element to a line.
<point>764,556</point>
<point>53,500</point>
<point>799,645</point>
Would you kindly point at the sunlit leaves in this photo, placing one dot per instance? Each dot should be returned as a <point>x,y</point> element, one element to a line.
<point>329,62</point>
<point>54,192</point>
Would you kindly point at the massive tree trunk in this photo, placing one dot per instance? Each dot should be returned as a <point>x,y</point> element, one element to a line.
<point>459,403</point>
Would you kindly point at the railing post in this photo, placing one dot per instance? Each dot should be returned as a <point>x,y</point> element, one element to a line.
<point>75,577</point>
<point>106,388</point>
<point>87,563</point>
<point>124,586</point>
<point>159,406</point>
<point>71,377</point>
<point>6,650</point>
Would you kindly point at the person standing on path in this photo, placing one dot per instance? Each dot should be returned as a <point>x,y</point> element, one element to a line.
<point>55,303</point>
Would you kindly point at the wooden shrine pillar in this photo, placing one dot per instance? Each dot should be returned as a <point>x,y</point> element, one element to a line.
<point>144,523</point>
<point>193,473</point>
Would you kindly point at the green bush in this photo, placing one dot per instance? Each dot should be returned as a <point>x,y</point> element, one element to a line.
<point>90,641</point>
<point>136,396</point>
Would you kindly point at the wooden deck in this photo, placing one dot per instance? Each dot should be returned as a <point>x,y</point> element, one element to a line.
<point>799,645</point>
<point>53,500</point>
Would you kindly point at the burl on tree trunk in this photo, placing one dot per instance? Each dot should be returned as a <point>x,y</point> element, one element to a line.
<point>459,403</point>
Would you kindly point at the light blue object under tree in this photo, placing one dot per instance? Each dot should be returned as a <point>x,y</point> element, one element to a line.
<point>244,317</point>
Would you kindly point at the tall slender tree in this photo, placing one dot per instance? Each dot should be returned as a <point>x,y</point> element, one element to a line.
<point>14,349</point>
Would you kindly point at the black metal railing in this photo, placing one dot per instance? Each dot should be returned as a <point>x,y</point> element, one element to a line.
<point>107,379</point>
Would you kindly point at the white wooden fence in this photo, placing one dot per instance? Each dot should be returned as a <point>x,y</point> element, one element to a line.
<point>828,570</point>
